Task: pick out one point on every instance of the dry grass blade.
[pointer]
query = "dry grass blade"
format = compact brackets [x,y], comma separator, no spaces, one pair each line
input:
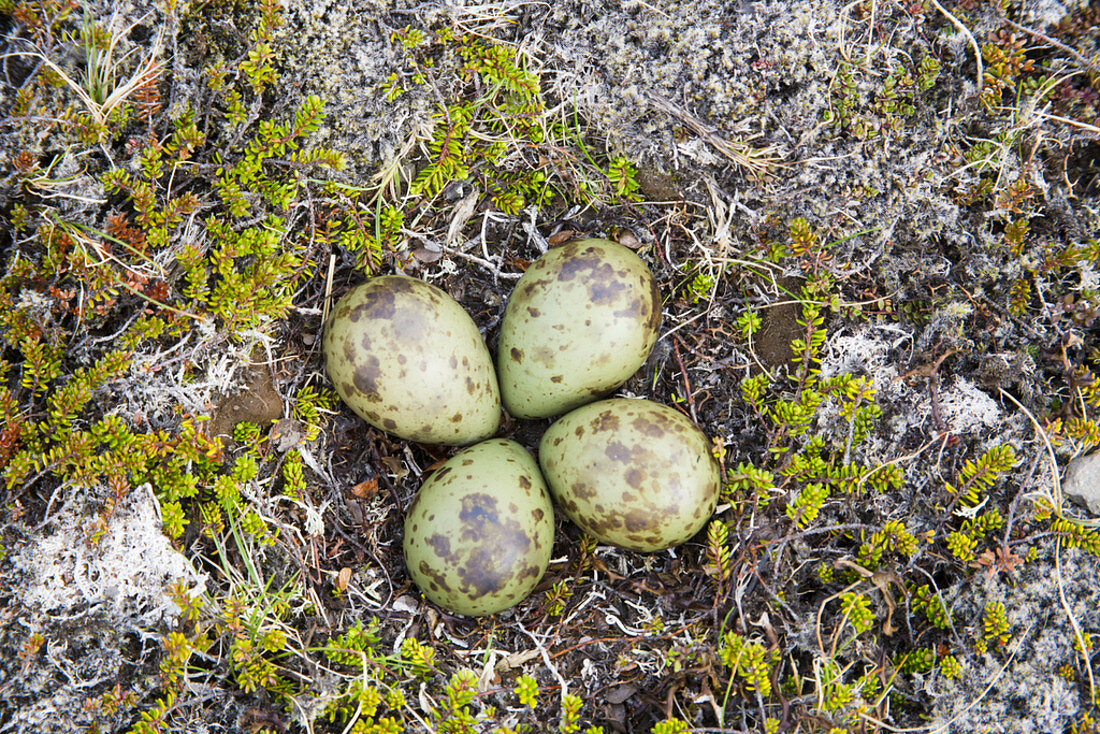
[758,162]
[98,93]
[1056,503]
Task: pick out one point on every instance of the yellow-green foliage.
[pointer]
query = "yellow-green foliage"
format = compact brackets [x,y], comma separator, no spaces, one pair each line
[242,278]
[749,661]
[670,726]
[488,135]
[856,608]
[925,600]
[995,623]
[1076,535]
[897,91]
[950,667]
[893,538]
[969,492]
[719,554]
[242,173]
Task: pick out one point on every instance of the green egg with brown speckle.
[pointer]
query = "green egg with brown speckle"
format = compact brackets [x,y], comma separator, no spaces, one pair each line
[631,473]
[409,360]
[478,535]
[582,319]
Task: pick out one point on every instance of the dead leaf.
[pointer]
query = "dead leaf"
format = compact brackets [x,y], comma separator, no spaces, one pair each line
[463,211]
[561,237]
[427,254]
[489,677]
[343,578]
[396,467]
[515,659]
[407,604]
[365,488]
[882,581]
[626,238]
[765,623]
[425,701]
[619,694]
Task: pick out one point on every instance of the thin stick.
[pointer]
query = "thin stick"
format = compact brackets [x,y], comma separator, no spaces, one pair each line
[683,373]
[328,288]
[1056,480]
[1057,44]
[969,37]
[1073,620]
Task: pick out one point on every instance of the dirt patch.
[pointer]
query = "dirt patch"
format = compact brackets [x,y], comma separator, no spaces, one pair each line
[779,327]
[256,401]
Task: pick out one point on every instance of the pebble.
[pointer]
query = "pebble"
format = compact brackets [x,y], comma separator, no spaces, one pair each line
[1082,482]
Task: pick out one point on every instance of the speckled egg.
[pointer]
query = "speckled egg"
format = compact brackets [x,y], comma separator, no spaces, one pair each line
[631,473]
[479,533]
[580,322]
[410,361]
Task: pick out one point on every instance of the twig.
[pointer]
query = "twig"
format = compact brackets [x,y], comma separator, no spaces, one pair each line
[947,725]
[1056,498]
[1073,620]
[969,37]
[1057,507]
[1088,63]
[683,373]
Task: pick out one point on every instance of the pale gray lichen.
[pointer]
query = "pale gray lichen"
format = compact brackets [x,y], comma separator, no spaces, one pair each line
[97,603]
[1019,688]
[746,69]
[122,574]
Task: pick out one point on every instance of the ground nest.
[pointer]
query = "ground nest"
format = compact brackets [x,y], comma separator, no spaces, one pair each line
[873,228]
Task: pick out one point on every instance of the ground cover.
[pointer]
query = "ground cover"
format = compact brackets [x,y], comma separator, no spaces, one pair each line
[874,228]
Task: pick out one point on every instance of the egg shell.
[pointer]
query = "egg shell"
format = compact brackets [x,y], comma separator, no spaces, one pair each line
[478,535]
[631,473]
[410,361]
[581,320]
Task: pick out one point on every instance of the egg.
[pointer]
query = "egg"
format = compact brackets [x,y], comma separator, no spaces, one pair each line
[581,320]
[478,535]
[410,361]
[631,473]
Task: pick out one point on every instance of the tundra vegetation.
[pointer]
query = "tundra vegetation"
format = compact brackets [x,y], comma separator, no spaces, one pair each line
[197,536]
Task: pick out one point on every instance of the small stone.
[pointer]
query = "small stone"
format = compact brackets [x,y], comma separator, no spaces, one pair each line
[286,434]
[427,254]
[1082,482]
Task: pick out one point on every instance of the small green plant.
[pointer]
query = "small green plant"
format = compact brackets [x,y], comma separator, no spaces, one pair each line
[623,176]
[892,538]
[927,601]
[527,690]
[748,661]
[748,323]
[557,597]
[570,713]
[969,497]
[995,624]
[867,115]
[699,287]
[856,608]
[950,667]
[670,726]
[719,555]
[920,660]
[487,129]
